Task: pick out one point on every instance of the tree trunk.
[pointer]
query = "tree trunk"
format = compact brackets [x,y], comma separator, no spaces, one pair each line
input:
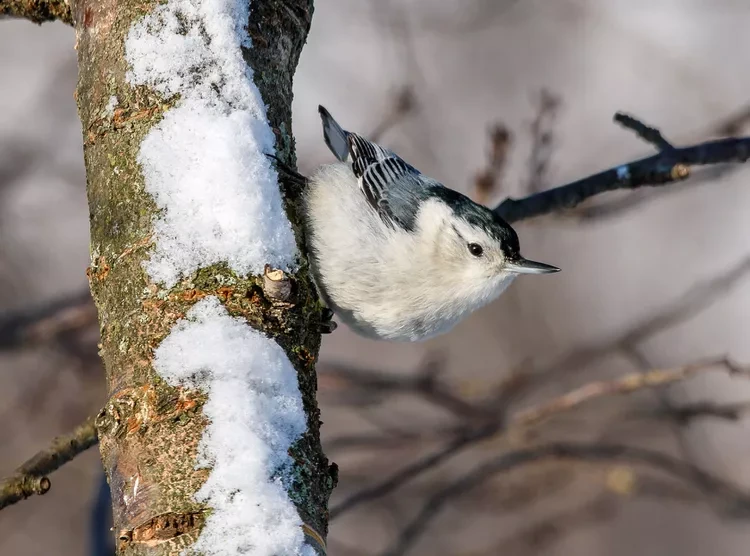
[149,432]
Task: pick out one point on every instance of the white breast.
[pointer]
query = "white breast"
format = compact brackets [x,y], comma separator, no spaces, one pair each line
[379,281]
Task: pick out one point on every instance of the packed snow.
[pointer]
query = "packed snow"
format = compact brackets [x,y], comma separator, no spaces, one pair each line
[204,162]
[255,411]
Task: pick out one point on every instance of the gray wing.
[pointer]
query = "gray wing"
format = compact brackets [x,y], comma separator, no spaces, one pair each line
[391,186]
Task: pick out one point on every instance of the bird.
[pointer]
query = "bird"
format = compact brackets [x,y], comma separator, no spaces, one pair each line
[395,254]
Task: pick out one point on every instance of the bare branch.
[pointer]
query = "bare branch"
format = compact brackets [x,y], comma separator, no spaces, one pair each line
[729,126]
[648,134]
[729,495]
[543,534]
[37,11]
[525,418]
[412,470]
[696,299]
[623,385]
[668,166]
[46,322]
[542,139]
[684,414]
[31,477]
[403,103]
[424,383]
[733,124]
[489,179]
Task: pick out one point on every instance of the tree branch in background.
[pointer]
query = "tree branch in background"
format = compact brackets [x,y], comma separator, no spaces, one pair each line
[696,299]
[730,126]
[489,179]
[540,535]
[542,139]
[668,166]
[31,477]
[648,134]
[37,11]
[685,306]
[729,495]
[425,383]
[624,385]
[528,417]
[684,414]
[49,321]
[402,104]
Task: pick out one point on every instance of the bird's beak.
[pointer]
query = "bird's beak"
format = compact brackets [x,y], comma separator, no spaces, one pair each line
[524,266]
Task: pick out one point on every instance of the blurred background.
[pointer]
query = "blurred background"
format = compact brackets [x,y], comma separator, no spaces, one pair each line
[495,98]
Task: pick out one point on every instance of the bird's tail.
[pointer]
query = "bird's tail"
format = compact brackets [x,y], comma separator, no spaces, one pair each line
[334,134]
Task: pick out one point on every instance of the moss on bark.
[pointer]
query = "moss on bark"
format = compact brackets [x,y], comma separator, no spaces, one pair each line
[149,432]
[38,11]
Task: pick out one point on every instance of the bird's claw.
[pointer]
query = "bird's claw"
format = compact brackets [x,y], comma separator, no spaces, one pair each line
[326,324]
[328,327]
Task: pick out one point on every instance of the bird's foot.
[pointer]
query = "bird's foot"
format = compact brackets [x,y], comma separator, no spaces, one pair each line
[293,174]
[327,325]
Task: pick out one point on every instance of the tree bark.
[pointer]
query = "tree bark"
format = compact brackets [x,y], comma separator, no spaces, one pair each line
[38,11]
[149,432]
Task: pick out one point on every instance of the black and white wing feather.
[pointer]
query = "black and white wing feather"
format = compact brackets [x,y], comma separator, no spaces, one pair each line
[390,185]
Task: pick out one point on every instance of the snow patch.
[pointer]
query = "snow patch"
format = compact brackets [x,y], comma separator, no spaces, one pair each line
[112,103]
[255,411]
[205,162]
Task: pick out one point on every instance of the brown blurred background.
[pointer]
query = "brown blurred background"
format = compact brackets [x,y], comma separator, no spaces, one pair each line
[652,279]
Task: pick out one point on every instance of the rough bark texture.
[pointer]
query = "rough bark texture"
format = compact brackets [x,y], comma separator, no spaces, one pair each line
[37,11]
[148,431]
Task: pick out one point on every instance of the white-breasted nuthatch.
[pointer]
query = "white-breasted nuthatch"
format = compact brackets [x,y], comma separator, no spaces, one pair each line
[396,254]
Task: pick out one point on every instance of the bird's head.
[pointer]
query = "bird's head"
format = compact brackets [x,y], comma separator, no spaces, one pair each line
[471,241]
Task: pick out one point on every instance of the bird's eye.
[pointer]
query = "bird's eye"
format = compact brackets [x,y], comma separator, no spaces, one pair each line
[475,249]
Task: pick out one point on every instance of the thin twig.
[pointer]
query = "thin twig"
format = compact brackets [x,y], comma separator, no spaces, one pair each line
[489,179]
[414,469]
[525,418]
[727,127]
[643,363]
[31,477]
[648,134]
[667,166]
[543,534]
[424,383]
[684,414]
[542,140]
[623,385]
[40,324]
[732,124]
[696,299]
[732,496]
[404,102]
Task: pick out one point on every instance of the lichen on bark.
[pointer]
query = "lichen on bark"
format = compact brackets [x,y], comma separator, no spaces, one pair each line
[149,432]
[38,11]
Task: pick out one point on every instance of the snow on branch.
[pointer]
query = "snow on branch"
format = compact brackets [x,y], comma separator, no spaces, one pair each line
[204,163]
[219,201]
[255,411]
